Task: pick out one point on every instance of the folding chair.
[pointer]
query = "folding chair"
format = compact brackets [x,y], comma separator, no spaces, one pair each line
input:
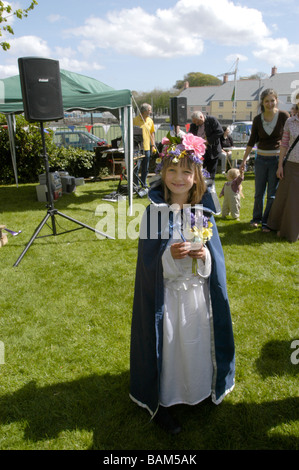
[138,186]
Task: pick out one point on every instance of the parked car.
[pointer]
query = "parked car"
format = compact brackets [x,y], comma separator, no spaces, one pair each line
[79,139]
[240,131]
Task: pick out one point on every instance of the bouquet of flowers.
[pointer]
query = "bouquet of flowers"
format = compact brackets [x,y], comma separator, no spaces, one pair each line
[198,232]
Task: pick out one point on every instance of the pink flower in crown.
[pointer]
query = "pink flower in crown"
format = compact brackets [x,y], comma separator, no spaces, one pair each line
[165,141]
[194,143]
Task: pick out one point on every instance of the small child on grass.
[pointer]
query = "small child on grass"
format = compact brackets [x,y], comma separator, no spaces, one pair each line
[232,193]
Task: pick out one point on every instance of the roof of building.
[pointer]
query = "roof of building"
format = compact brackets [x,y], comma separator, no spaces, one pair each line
[199,95]
[282,82]
[246,90]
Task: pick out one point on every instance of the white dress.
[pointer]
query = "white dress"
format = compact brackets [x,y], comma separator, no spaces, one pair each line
[187,367]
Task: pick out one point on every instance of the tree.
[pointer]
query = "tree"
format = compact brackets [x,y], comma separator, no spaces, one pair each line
[29,149]
[257,76]
[6,12]
[159,100]
[197,79]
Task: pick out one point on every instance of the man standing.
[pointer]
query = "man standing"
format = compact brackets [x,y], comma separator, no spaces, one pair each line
[209,128]
[148,135]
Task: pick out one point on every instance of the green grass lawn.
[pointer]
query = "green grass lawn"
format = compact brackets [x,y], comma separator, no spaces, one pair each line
[65,330]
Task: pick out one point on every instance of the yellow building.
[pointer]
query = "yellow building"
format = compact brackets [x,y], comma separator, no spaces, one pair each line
[239,101]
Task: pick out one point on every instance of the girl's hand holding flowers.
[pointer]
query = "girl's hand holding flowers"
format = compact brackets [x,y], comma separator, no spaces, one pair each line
[180,250]
[198,254]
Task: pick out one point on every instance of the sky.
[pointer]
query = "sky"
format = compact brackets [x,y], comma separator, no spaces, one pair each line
[142,46]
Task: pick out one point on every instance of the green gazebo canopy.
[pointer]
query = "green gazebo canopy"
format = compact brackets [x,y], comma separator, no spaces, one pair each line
[79,92]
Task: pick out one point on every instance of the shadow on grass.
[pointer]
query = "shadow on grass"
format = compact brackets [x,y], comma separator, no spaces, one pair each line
[101,405]
[276,359]
[24,198]
[233,232]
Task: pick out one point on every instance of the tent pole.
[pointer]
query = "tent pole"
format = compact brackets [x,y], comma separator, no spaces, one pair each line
[131,146]
[11,132]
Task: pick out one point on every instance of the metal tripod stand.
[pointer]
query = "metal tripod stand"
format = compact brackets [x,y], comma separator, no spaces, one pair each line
[52,212]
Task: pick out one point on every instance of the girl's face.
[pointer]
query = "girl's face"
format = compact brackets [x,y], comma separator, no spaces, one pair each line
[270,102]
[179,180]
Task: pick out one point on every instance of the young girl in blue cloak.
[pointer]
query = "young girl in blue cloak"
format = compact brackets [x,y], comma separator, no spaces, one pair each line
[182,346]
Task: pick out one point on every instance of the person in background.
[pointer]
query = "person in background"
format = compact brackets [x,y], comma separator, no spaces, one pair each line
[226,141]
[293,110]
[178,132]
[144,121]
[267,129]
[284,214]
[209,128]
[232,192]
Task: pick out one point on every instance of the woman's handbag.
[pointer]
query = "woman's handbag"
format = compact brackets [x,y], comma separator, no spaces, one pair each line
[289,151]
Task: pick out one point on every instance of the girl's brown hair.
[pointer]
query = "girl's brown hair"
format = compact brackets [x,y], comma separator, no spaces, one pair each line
[198,189]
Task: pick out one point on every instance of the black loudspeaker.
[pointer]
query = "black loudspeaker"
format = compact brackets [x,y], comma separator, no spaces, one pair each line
[178,111]
[41,89]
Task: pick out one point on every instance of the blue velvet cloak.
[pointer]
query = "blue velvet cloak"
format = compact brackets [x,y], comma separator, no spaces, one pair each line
[148,307]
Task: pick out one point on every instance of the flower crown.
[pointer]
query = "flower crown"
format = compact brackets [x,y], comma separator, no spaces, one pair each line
[177,148]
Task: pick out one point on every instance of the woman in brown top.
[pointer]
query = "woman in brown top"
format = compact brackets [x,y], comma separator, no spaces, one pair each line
[267,129]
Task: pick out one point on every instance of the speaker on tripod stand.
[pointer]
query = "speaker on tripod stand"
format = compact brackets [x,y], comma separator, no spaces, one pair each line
[42,99]
[41,89]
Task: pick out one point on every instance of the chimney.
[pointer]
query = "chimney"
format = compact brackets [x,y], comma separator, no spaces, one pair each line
[186,85]
[274,70]
[225,78]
